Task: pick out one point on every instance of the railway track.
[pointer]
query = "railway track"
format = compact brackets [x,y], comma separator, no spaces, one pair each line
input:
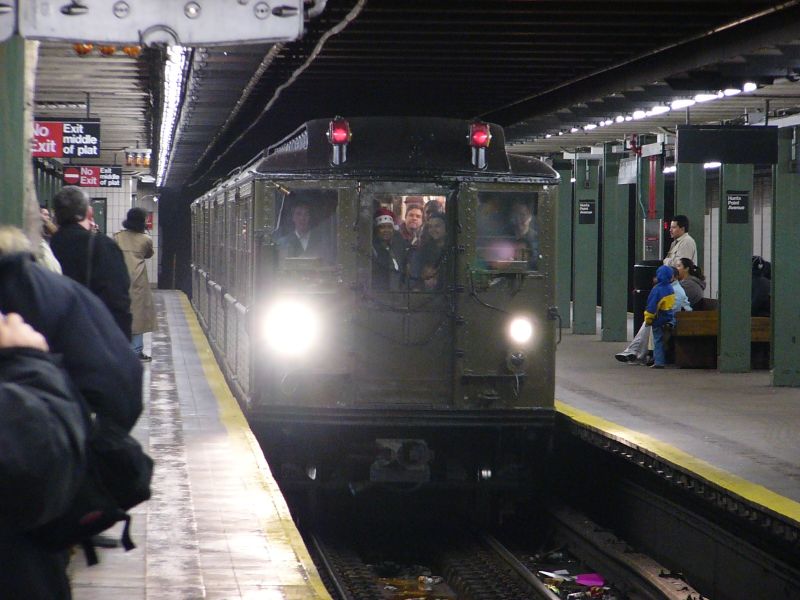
[451,563]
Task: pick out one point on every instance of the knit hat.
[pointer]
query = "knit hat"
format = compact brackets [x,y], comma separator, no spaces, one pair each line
[383,216]
[135,220]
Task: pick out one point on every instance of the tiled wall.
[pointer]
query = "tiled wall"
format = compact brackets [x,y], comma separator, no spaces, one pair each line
[118,202]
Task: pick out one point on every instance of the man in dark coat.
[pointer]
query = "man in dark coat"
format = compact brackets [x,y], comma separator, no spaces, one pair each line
[95,354]
[107,275]
[304,241]
[42,436]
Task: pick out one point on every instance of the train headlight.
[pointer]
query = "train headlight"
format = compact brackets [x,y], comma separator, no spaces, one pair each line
[291,328]
[520,330]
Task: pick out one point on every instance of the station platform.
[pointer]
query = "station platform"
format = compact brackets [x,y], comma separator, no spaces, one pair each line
[733,432]
[216,526]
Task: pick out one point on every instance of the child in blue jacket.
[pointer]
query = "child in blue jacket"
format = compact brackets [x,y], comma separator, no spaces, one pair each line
[660,311]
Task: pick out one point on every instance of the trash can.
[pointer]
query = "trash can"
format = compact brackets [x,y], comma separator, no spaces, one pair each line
[643,274]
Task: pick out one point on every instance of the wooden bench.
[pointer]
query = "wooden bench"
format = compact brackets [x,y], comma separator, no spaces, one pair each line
[695,340]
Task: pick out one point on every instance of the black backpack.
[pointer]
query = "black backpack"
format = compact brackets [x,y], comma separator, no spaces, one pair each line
[117,478]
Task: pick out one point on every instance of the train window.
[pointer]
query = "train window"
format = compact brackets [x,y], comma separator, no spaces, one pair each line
[409,243]
[306,227]
[508,238]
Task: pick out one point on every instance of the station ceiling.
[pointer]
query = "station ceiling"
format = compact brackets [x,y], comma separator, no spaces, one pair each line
[538,67]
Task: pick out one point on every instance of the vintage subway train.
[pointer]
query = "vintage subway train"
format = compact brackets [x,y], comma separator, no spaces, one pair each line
[366,348]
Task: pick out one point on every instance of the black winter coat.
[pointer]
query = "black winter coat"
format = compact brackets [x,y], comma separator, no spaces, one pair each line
[109,275]
[95,354]
[42,435]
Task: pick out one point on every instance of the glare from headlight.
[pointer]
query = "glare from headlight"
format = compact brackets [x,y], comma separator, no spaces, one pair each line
[291,328]
[520,330]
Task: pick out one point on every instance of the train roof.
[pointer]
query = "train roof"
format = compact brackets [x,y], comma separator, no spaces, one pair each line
[400,146]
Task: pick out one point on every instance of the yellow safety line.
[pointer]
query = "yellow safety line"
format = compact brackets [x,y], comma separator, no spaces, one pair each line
[747,490]
[242,437]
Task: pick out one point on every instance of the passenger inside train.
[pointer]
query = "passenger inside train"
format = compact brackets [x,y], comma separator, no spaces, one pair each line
[306,228]
[409,253]
[507,232]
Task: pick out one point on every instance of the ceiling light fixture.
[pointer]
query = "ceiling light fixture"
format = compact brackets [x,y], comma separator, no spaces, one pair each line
[669,169]
[712,165]
[658,110]
[573,130]
[682,103]
[589,126]
[619,118]
[749,87]
[731,91]
[173,85]
[638,114]
[705,97]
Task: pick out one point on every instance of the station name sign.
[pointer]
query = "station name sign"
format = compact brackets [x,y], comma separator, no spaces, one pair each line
[66,139]
[91,176]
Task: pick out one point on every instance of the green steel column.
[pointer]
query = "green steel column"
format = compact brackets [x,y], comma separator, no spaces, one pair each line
[14,137]
[735,250]
[564,240]
[690,200]
[614,269]
[785,266]
[584,307]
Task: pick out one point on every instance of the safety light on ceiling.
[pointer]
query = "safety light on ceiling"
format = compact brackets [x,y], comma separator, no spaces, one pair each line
[480,136]
[137,157]
[339,136]
[108,50]
[749,87]
[132,51]
[82,49]
[683,103]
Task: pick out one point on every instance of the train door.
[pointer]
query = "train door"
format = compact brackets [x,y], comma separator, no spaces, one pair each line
[402,326]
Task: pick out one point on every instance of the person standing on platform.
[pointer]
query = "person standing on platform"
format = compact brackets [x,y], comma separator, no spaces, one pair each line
[683,245]
[42,436]
[91,259]
[137,247]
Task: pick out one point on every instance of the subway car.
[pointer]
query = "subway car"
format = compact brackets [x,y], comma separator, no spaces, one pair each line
[379,293]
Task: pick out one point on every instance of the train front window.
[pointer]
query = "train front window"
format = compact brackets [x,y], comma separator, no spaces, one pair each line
[410,246]
[507,231]
[306,228]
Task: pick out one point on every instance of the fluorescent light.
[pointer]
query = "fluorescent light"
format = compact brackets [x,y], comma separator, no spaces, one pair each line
[548,135]
[560,133]
[731,91]
[712,165]
[658,110]
[628,118]
[573,130]
[705,97]
[590,126]
[173,85]
[619,119]
[608,122]
[749,87]
[639,114]
[572,180]
[669,169]
[682,103]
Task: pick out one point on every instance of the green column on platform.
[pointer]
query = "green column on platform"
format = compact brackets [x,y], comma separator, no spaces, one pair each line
[564,240]
[785,265]
[690,200]
[614,267]
[586,216]
[13,138]
[735,251]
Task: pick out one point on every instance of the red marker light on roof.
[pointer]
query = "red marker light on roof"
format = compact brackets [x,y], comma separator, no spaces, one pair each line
[339,132]
[480,135]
